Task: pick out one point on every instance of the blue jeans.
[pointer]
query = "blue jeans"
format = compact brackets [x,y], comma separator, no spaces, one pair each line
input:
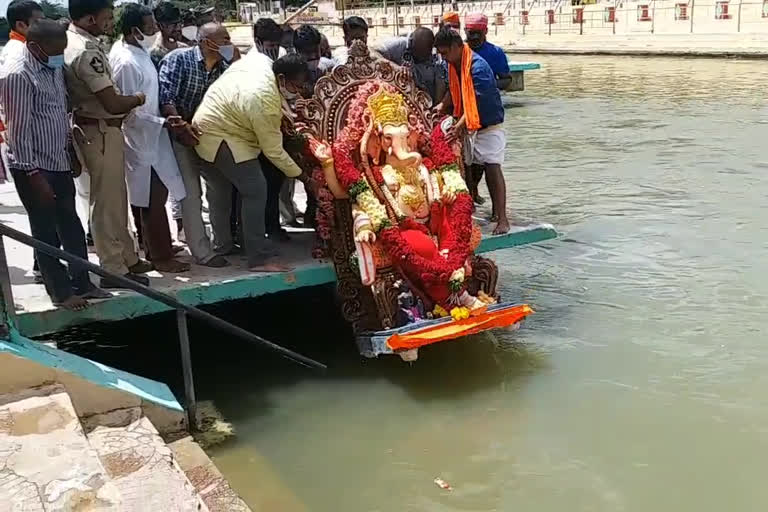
[51,223]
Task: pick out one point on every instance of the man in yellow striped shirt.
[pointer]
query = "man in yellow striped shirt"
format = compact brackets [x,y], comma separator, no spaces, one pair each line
[240,118]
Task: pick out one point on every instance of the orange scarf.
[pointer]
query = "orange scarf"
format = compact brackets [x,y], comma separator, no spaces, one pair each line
[463,92]
[15,36]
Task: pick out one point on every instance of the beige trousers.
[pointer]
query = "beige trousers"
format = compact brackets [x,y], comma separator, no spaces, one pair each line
[102,152]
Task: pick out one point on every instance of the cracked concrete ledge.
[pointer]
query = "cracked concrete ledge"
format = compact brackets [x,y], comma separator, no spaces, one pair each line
[43,425]
[211,485]
[141,465]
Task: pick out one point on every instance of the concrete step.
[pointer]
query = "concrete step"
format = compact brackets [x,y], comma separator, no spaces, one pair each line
[141,465]
[212,487]
[46,462]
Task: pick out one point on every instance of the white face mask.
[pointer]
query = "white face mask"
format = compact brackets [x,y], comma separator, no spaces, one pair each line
[189,32]
[288,95]
[146,41]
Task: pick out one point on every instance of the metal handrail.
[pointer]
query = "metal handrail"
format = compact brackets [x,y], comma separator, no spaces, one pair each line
[182,311]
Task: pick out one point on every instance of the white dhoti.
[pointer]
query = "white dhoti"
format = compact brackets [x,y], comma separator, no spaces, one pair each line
[487,146]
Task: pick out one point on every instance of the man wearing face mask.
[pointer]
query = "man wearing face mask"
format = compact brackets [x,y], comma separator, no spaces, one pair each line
[267,35]
[188,31]
[34,94]
[240,118]
[185,75]
[355,29]
[150,166]
[98,112]
[168,18]
[20,15]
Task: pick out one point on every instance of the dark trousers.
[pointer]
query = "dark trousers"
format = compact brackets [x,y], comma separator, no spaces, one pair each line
[235,223]
[51,223]
[275,179]
[153,222]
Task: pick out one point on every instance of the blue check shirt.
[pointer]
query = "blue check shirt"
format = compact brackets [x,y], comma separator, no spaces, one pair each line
[184,79]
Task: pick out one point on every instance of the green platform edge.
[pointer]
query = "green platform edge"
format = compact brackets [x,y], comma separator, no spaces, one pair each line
[100,374]
[523,66]
[131,305]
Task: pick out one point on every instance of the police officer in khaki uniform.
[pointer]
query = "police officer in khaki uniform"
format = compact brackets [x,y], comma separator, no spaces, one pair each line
[98,111]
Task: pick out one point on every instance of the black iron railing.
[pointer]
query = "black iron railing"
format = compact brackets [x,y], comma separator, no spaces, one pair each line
[182,311]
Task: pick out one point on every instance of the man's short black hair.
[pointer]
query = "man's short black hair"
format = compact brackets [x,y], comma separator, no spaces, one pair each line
[354,22]
[306,37]
[267,29]
[81,8]
[167,13]
[447,36]
[292,66]
[130,16]
[46,30]
[21,10]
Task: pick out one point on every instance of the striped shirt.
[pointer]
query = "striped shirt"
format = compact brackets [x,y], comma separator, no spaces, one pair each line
[184,79]
[37,125]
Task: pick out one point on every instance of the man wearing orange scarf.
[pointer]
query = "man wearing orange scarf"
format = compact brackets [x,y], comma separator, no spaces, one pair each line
[475,101]
[20,15]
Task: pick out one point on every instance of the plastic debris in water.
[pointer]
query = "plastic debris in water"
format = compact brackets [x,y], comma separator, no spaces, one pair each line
[443,484]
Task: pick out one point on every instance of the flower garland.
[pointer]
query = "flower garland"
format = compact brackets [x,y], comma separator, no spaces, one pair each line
[441,161]
[324,216]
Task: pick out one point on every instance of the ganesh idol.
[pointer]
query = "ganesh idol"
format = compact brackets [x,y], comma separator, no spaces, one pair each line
[394,215]
[410,205]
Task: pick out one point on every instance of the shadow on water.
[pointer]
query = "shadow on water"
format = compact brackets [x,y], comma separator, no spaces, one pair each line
[306,321]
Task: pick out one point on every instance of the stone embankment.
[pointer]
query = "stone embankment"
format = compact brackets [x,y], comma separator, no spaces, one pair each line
[53,461]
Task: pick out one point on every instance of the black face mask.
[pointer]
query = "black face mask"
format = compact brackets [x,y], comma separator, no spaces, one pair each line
[474,39]
[272,53]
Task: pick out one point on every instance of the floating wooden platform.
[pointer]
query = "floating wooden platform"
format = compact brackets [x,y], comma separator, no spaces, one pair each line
[36,315]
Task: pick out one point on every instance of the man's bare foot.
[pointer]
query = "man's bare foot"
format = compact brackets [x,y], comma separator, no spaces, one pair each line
[171,266]
[270,267]
[96,293]
[74,303]
[501,227]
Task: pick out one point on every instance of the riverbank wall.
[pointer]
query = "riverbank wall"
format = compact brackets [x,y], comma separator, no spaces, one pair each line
[693,28]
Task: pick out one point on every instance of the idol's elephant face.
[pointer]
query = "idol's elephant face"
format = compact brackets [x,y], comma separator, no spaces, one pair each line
[395,141]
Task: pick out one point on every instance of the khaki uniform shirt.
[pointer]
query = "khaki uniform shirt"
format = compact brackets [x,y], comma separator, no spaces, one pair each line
[87,71]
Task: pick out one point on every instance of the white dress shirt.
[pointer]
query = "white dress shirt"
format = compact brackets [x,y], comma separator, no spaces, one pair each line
[147,144]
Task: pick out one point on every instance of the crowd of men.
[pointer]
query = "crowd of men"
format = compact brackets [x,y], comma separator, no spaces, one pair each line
[171,111]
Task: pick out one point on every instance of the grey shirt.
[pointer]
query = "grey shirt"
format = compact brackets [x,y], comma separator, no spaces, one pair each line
[426,74]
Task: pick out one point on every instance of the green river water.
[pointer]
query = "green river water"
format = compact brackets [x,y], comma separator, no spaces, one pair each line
[637,386]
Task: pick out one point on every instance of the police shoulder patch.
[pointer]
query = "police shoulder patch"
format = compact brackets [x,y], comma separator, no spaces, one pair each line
[97,64]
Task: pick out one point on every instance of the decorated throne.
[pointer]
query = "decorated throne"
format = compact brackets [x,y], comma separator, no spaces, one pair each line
[393,212]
